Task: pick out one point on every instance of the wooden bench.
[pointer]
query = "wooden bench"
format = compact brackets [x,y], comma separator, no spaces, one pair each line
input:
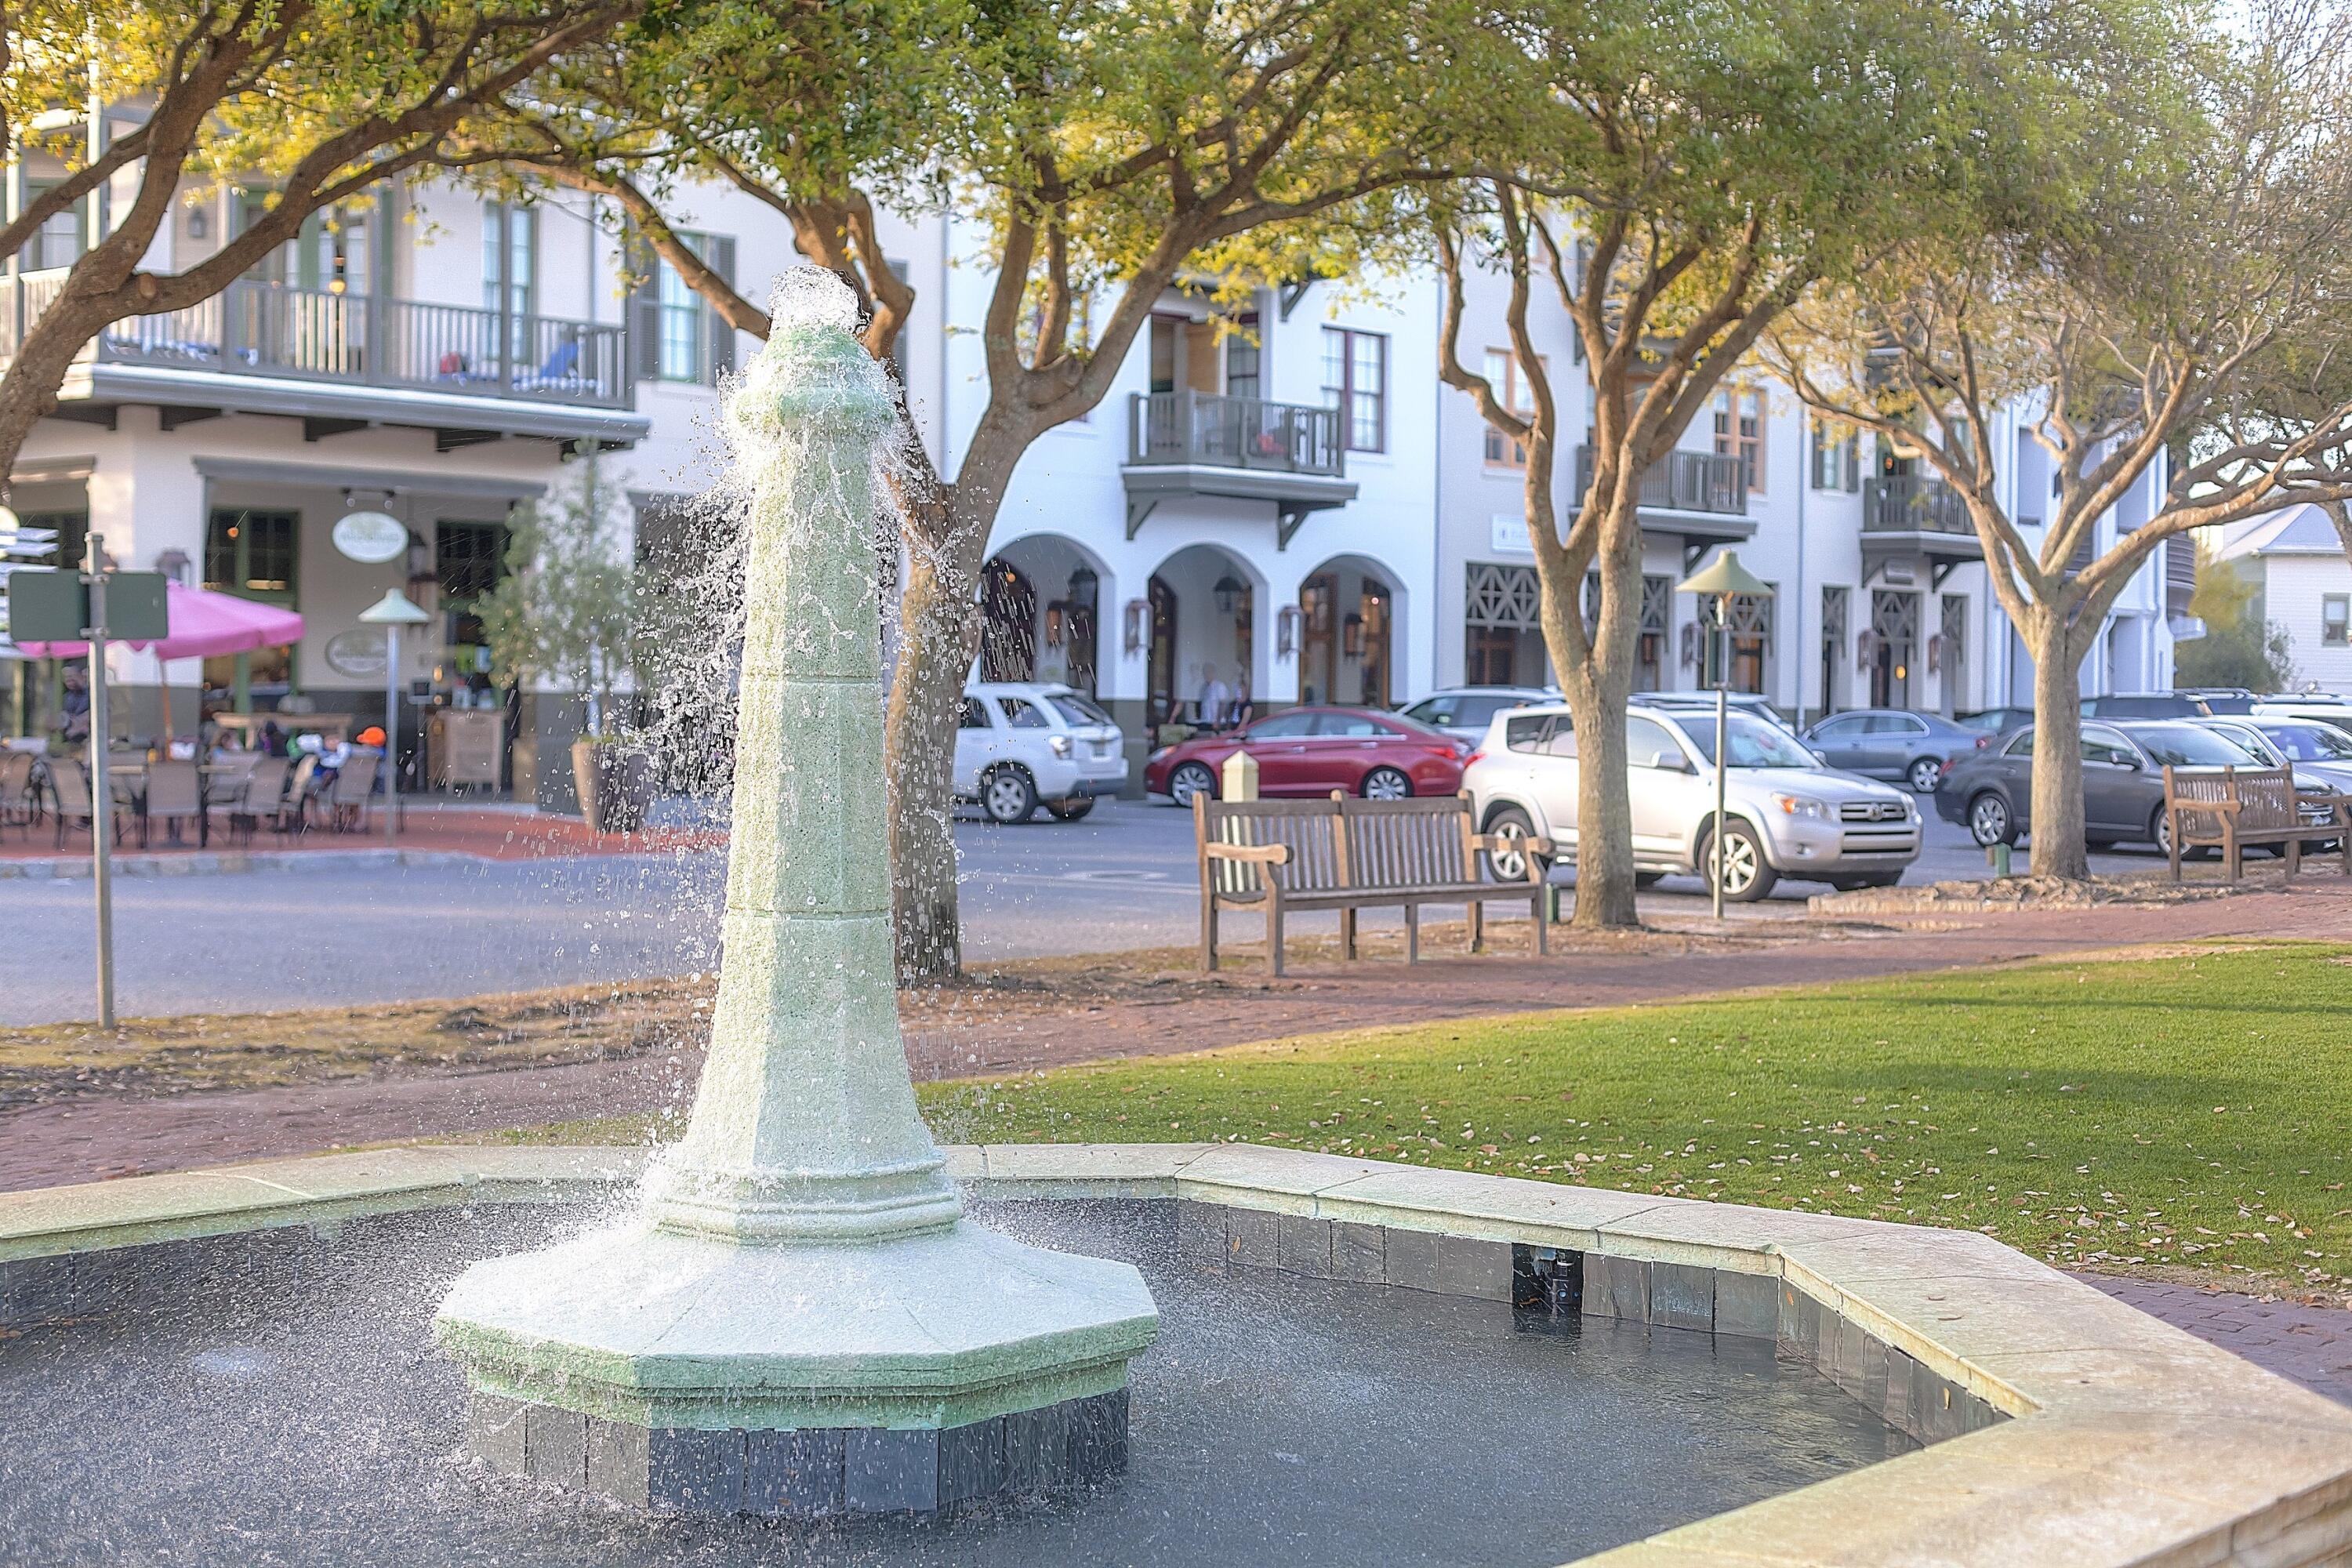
[2234,807]
[1345,854]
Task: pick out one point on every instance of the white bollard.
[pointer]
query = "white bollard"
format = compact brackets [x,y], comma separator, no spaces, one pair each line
[1240,780]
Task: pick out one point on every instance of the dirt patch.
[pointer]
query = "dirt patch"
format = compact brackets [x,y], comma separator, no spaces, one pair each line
[2137,891]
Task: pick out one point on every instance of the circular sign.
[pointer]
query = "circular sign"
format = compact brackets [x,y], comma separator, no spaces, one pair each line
[372,537]
[357,655]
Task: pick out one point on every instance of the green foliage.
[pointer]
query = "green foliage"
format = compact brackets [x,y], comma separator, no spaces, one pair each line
[571,610]
[2190,1109]
[2239,648]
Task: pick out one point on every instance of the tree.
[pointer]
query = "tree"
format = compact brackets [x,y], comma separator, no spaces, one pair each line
[571,610]
[1117,151]
[317,99]
[2239,648]
[2174,314]
[1695,173]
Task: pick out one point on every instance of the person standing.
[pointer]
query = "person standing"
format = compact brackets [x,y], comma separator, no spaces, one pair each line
[1215,697]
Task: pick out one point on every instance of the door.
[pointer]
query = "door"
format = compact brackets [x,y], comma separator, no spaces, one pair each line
[1279,744]
[976,746]
[2115,783]
[1161,669]
[1550,772]
[1343,749]
[1887,742]
[1668,802]
[1318,662]
[1841,740]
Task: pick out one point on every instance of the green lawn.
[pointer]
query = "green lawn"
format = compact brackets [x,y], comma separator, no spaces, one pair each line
[2187,1111]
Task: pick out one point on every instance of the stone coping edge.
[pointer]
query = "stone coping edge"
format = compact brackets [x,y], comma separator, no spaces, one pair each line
[2138,1443]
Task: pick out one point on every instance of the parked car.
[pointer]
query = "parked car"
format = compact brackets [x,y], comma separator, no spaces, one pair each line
[2147,705]
[1991,793]
[1314,751]
[1891,744]
[1746,702]
[1992,723]
[1463,712]
[2221,699]
[2320,755]
[1790,816]
[2313,706]
[1021,746]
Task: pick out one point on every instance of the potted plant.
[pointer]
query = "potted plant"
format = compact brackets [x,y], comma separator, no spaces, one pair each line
[569,615]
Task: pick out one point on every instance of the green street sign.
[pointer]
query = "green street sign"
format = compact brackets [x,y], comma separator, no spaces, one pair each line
[54,606]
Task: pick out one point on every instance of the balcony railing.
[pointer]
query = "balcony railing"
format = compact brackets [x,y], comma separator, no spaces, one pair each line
[1913,503]
[1234,433]
[1683,481]
[266,329]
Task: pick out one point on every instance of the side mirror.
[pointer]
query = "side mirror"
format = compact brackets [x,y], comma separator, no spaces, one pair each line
[1670,761]
[1819,755]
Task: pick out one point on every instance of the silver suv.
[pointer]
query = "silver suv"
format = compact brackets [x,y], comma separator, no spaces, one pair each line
[1790,815]
[1021,746]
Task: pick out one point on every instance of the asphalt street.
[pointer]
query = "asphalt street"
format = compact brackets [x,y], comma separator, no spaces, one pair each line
[1121,878]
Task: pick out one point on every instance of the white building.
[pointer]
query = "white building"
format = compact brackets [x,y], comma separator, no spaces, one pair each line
[2303,582]
[1289,502]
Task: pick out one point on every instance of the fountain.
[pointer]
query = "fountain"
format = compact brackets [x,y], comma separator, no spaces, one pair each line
[799,1319]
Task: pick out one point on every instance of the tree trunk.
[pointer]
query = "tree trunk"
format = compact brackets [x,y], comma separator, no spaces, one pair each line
[28,390]
[2055,817]
[1597,694]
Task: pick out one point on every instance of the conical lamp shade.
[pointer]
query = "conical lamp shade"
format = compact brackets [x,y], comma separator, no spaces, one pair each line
[1724,575]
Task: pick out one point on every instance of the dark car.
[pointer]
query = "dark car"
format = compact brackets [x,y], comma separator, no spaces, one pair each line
[2147,705]
[1891,744]
[1992,723]
[1314,751]
[1991,793]
[2220,700]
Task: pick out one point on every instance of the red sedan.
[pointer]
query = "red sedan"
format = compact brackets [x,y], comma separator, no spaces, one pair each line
[1314,751]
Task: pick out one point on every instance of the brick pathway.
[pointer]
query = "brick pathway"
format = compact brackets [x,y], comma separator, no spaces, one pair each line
[2309,1345]
[427,828]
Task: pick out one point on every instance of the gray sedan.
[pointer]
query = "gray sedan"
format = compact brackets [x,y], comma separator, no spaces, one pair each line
[1891,743]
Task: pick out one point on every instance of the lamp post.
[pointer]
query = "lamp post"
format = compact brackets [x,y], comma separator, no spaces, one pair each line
[1722,577]
[392,612]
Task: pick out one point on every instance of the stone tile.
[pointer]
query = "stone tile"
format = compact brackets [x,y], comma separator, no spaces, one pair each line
[1682,1297]
[1099,1435]
[1302,1244]
[973,1462]
[1359,1253]
[1411,1258]
[1940,1401]
[1629,1287]
[618,1461]
[1467,1266]
[1746,1305]
[1254,1237]
[1286,1178]
[1085,1170]
[796,1473]
[886,1471]
[1800,1327]
[1201,1232]
[1721,1235]
[1037,1448]
[694,1471]
[555,1446]
[1902,1372]
[494,1432]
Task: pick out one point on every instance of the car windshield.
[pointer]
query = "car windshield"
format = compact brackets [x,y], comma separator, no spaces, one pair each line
[2187,746]
[2311,743]
[1077,709]
[1754,743]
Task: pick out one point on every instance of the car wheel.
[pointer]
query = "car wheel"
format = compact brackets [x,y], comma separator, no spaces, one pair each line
[1509,864]
[1070,810]
[1007,795]
[1188,780]
[1989,822]
[1923,774]
[1746,875]
[1387,784]
[2159,830]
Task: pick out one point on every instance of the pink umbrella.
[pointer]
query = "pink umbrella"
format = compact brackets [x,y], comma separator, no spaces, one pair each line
[203,625]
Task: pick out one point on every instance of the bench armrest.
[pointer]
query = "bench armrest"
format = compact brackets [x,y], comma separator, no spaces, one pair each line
[1494,843]
[2218,807]
[1268,854]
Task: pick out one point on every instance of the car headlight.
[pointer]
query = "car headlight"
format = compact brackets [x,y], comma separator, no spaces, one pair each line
[1059,744]
[1160,756]
[1800,806]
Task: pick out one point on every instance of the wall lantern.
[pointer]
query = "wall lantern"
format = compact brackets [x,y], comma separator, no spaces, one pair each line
[1228,592]
[1138,624]
[1057,623]
[1351,636]
[173,563]
[1285,632]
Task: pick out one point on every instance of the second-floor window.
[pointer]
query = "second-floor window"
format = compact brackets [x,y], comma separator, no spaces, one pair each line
[1511,387]
[2336,620]
[59,241]
[1739,431]
[1837,456]
[681,337]
[509,260]
[1242,360]
[1355,382]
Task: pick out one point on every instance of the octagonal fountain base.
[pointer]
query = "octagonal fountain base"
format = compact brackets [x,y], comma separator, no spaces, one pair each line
[685,1370]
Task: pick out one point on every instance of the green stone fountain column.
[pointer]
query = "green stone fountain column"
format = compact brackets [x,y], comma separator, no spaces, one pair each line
[798,1319]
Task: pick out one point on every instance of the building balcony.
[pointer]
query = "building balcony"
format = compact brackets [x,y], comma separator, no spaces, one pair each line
[345,362]
[1289,455]
[1907,517]
[1698,497]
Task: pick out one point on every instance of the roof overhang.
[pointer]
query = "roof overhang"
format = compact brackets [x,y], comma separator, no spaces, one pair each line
[99,383]
[1292,496]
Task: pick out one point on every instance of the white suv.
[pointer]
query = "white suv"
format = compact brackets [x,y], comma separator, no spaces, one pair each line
[1790,815]
[1021,746]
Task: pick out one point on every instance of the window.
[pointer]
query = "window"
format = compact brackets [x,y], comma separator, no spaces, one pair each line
[1836,456]
[1355,382]
[1077,711]
[679,337]
[511,261]
[1283,727]
[1243,358]
[59,241]
[1023,714]
[2336,620]
[469,558]
[2022,746]
[251,554]
[975,715]
[1841,729]
[2187,746]
[1352,726]
[1512,391]
[1646,739]
[1525,735]
[1739,431]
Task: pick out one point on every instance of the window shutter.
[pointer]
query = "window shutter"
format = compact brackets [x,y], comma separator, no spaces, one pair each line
[1854,462]
[719,252]
[645,307]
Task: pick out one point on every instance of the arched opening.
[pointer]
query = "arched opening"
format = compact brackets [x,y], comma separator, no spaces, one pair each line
[1202,665]
[1347,634]
[1040,600]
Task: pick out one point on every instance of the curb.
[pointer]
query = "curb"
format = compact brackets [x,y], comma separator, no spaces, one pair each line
[209,862]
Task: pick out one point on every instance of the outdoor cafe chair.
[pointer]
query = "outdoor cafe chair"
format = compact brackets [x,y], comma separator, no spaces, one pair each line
[255,796]
[175,794]
[19,803]
[347,797]
[69,788]
[290,813]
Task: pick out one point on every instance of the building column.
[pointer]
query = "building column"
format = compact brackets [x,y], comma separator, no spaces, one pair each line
[148,501]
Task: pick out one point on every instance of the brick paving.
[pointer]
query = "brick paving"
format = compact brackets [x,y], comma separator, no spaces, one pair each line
[489,832]
[2311,1345]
